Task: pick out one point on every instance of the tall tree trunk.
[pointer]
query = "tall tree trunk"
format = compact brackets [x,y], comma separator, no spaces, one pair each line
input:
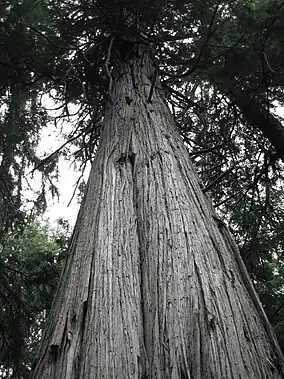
[154,286]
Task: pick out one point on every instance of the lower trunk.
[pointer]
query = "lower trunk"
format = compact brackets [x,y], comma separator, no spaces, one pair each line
[154,286]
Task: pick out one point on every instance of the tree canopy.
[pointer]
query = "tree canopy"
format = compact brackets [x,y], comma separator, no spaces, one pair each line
[221,67]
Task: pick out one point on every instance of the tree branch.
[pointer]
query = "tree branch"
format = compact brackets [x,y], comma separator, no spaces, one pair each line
[217,180]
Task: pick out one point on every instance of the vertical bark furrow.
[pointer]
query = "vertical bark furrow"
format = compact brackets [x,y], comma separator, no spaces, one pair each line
[166,295]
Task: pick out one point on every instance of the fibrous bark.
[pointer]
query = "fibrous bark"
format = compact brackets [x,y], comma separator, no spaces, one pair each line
[154,286]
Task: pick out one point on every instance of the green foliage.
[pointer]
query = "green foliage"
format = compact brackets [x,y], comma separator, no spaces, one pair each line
[30,265]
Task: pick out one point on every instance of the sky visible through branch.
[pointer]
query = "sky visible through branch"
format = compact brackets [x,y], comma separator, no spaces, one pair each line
[65,206]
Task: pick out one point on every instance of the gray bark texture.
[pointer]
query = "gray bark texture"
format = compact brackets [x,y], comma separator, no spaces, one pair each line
[154,286]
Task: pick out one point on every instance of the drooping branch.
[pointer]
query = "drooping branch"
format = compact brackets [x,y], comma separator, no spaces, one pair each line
[268,124]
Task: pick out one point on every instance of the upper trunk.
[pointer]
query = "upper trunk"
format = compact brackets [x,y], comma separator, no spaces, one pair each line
[154,286]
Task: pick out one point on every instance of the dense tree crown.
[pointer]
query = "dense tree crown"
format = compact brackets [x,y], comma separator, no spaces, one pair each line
[220,65]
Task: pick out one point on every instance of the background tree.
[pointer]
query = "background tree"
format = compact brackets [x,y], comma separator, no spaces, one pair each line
[30,264]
